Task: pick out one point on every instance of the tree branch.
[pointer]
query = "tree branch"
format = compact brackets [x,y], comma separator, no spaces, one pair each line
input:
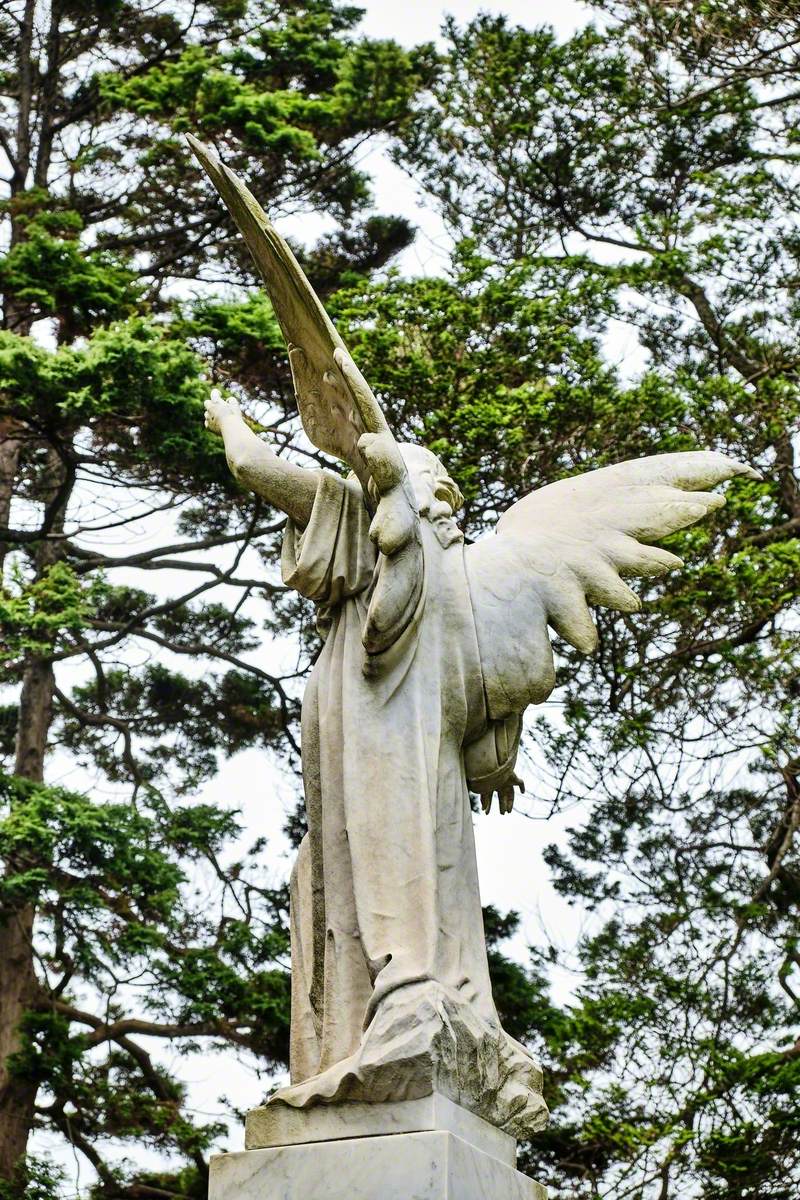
[105,1032]
[91,559]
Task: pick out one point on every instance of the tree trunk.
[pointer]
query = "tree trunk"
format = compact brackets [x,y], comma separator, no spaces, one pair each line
[15,315]
[22,158]
[10,446]
[18,982]
[19,986]
[47,96]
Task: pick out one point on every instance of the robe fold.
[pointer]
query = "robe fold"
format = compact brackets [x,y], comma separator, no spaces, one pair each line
[385,891]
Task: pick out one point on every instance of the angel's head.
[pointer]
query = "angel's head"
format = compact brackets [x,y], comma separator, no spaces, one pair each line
[437,494]
[434,488]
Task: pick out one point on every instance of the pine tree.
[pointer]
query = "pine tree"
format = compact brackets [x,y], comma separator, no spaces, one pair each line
[644,171]
[122,914]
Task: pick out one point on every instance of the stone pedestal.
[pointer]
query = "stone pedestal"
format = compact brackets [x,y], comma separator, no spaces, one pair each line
[428,1149]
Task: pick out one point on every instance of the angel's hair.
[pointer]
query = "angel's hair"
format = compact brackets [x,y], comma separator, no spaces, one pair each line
[419,458]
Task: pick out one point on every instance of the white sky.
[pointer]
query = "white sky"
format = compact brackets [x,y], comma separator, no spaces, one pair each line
[414,21]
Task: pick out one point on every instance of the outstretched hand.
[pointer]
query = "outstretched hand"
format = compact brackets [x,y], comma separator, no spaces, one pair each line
[505,795]
[217,408]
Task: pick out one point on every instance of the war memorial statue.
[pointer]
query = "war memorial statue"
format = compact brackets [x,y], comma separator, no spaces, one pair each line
[433,650]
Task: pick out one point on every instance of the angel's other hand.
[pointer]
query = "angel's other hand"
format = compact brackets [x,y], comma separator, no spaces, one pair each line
[505,796]
[385,462]
[217,408]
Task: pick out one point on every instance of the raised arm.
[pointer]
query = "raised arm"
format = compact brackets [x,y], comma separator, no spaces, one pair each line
[253,464]
[395,531]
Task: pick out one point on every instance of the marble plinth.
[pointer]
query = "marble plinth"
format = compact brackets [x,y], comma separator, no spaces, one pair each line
[432,1165]
[279,1124]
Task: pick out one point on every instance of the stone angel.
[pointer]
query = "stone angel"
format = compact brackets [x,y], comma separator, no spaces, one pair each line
[433,650]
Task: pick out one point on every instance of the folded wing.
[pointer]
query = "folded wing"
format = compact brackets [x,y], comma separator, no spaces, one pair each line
[570,545]
[335,402]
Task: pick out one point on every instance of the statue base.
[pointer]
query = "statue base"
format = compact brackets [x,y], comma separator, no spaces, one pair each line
[427,1149]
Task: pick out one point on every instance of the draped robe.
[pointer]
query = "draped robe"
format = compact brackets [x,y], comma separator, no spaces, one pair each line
[388,948]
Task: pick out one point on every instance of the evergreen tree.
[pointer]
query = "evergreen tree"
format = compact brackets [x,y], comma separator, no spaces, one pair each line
[640,172]
[645,172]
[125,918]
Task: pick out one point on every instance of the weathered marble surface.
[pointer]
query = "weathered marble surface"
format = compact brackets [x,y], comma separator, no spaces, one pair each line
[433,651]
[280,1125]
[406,1166]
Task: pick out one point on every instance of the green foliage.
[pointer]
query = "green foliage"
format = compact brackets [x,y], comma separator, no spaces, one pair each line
[639,176]
[33,615]
[38,1179]
[135,389]
[520,351]
[48,274]
[144,923]
[642,172]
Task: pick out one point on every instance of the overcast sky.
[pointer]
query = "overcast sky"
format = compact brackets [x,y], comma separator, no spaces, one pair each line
[412,21]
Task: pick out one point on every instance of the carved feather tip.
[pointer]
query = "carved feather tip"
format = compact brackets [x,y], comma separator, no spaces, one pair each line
[741,468]
[201,150]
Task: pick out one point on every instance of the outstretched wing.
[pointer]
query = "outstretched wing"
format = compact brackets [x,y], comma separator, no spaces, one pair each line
[569,545]
[335,402]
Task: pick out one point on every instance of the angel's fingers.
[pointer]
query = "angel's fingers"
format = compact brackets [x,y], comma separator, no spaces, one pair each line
[379,448]
[381,473]
[486,801]
[366,442]
[350,371]
[506,799]
[302,373]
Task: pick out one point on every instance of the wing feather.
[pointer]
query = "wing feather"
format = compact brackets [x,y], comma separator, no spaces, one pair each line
[335,402]
[568,613]
[579,536]
[632,558]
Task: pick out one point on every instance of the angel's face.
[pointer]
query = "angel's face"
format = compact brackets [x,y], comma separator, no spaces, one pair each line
[436,493]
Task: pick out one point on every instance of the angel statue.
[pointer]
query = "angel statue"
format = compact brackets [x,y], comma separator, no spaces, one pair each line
[433,649]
